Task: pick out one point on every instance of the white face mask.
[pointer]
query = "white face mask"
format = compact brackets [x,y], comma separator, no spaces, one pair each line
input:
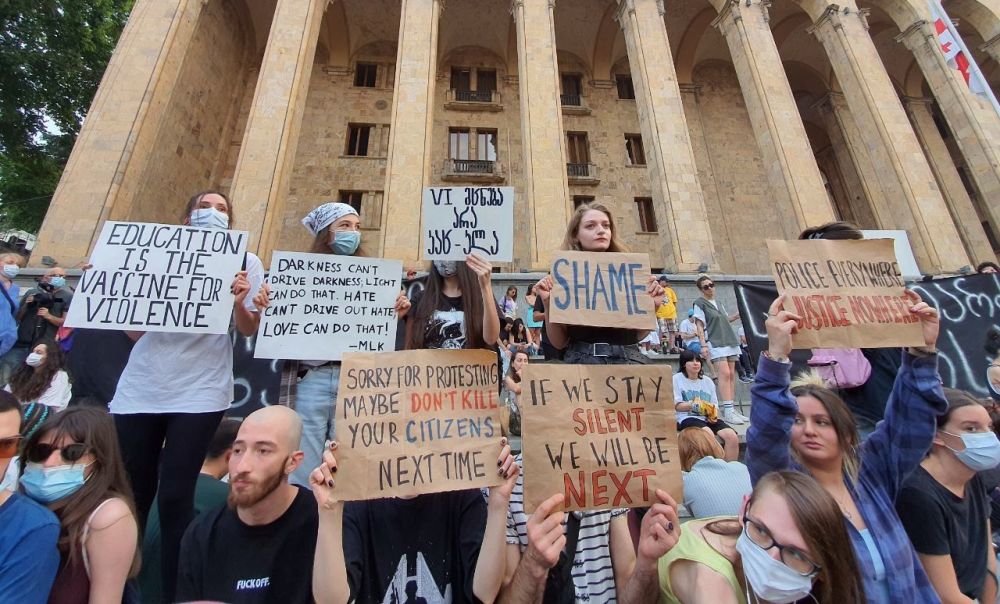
[209,218]
[34,359]
[11,270]
[770,579]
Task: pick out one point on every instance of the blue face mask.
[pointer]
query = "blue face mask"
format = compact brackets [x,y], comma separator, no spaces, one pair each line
[345,243]
[982,450]
[209,218]
[57,282]
[46,485]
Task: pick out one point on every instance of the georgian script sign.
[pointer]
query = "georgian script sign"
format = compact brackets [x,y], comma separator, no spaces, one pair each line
[414,422]
[602,289]
[458,221]
[323,306]
[602,435]
[848,293]
[159,277]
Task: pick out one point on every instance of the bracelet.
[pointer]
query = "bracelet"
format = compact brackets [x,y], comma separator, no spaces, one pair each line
[921,351]
[781,359]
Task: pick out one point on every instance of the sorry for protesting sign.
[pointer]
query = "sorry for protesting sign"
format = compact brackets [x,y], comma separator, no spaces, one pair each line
[419,421]
[601,289]
[849,294]
[458,221]
[323,306]
[602,435]
[159,277]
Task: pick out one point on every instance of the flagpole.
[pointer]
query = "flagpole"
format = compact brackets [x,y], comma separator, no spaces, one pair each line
[973,64]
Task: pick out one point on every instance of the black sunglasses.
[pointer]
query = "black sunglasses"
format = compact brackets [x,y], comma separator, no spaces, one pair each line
[708,286]
[71,453]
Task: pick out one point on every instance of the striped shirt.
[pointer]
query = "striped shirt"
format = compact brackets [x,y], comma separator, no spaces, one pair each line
[593,572]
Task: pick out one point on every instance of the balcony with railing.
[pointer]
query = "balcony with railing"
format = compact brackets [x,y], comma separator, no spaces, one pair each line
[582,174]
[473,100]
[573,104]
[472,170]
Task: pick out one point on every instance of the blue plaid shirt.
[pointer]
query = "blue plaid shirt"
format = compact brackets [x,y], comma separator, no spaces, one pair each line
[896,448]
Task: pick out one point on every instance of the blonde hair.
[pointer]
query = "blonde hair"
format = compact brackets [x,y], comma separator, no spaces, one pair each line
[571,242]
[21,260]
[693,444]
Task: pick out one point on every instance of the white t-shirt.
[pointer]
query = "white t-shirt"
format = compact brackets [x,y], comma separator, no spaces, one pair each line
[693,391]
[688,327]
[182,372]
[57,395]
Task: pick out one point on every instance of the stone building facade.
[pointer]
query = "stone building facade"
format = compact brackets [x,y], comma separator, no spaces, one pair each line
[707,126]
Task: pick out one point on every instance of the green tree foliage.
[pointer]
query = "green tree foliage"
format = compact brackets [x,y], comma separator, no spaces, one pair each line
[52,56]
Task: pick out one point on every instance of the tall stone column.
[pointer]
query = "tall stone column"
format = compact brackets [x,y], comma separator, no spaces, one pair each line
[408,166]
[963,211]
[129,101]
[264,166]
[788,157]
[677,193]
[542,136]
[915,202]
[973,121]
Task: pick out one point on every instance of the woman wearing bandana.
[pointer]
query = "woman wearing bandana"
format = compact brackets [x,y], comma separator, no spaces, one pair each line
[173,394]
[310,387]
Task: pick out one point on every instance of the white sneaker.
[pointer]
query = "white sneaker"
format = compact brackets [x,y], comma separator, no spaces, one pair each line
[731,417]
[746,420]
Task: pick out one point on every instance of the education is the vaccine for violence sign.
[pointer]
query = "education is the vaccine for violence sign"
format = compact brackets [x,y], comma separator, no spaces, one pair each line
[458,221]
[323,306]
[601,289]
[604,436]
[414,422]
[850,294]
[159,277]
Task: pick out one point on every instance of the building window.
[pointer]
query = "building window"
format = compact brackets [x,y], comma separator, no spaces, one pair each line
[486,80]
[577,149]
[626,90]
[461,79]
[353,199]
[579,200]
[633,146]
[458,143]
[486,145]
[365,74]
[358,136]
[572,89]
[647,217]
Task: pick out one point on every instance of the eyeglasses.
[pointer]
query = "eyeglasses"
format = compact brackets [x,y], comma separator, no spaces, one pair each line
[71,453]
[792,557]
[707,286]
[8,446]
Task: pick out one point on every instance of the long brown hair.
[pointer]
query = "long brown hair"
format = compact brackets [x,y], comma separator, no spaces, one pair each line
[570,241]
[94,428]
[197,198]
[819,519]
[693,444]
[29,383]
[840,417]
[472,308]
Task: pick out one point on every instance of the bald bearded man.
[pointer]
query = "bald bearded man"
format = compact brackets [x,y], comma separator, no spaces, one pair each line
[260,546]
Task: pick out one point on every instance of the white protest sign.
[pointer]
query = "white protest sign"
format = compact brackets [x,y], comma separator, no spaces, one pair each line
[458,221]
[323,306]
[159,277]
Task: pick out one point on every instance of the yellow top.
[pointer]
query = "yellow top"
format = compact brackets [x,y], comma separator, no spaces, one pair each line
[691,546]
[668,310]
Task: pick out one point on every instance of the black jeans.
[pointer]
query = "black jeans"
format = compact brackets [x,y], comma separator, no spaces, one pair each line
[166,450]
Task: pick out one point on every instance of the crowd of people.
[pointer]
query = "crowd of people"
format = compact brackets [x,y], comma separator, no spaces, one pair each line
[134,488]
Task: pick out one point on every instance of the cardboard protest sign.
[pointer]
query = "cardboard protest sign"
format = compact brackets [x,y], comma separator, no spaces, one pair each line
[159,277]
[848,293]
[603,435]
[323,306]
[602,289]
[458,221]
[419,421]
